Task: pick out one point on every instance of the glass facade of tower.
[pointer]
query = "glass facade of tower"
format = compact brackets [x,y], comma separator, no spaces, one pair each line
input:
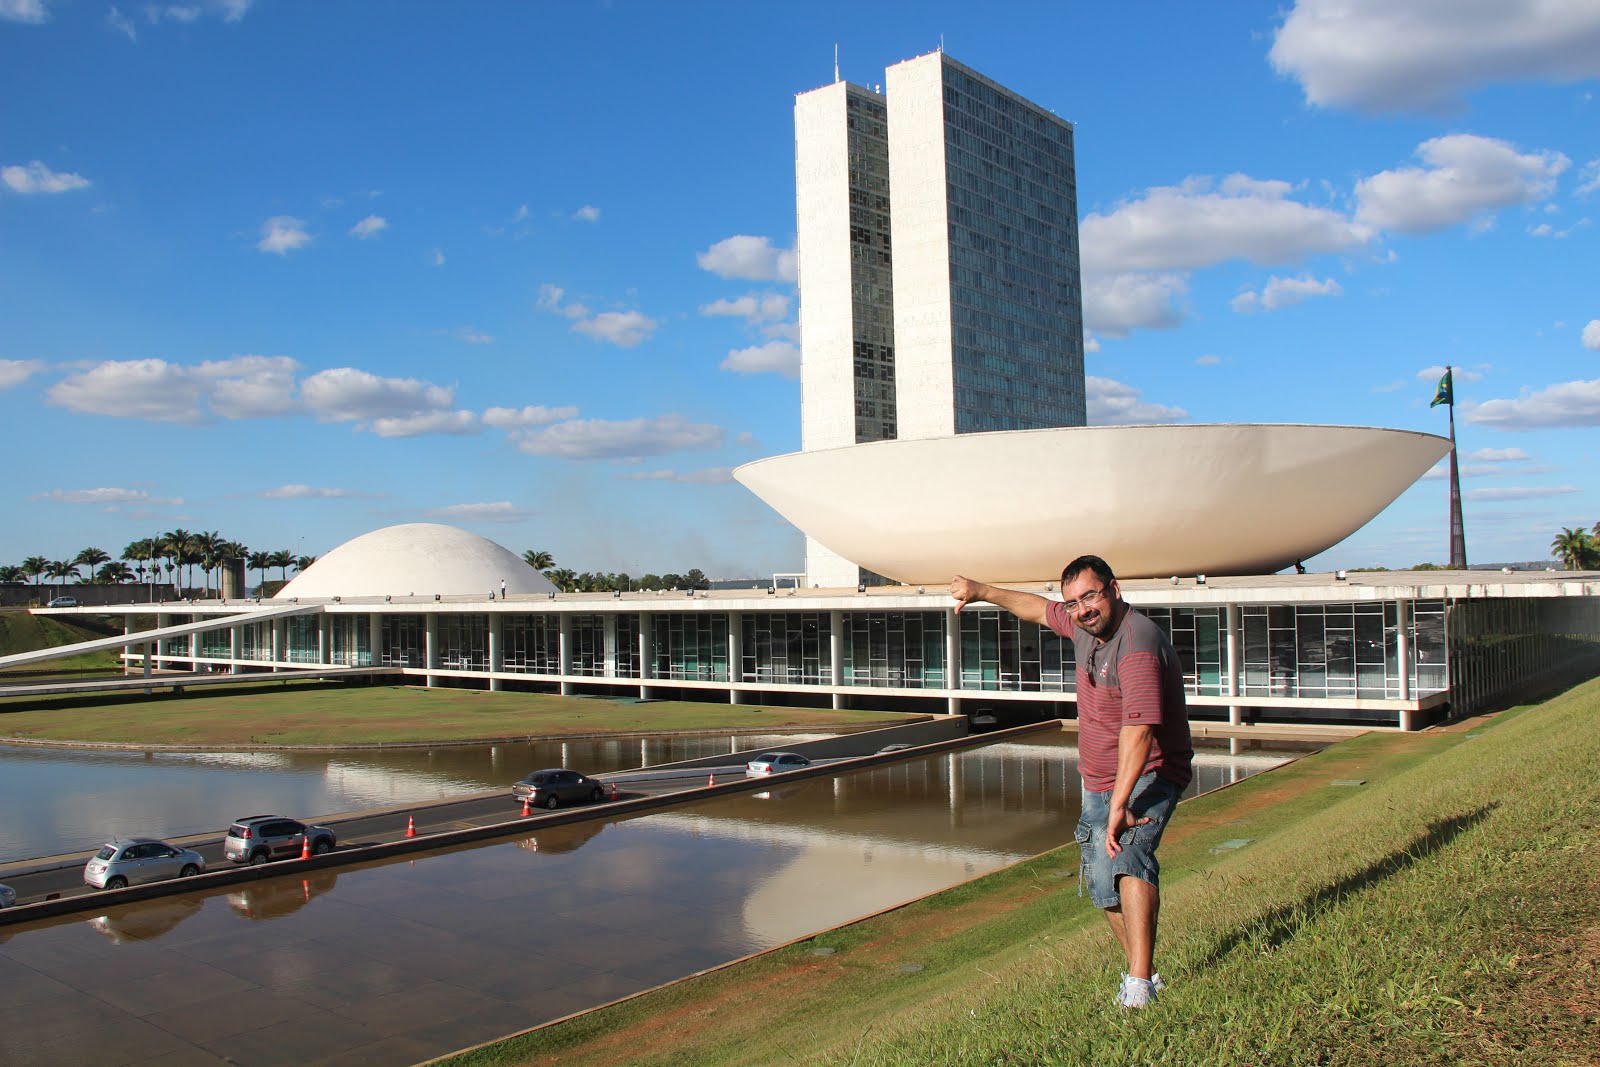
[1015,291]
[871,285]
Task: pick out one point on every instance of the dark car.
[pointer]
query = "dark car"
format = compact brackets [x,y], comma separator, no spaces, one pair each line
[257,839]
[555,786]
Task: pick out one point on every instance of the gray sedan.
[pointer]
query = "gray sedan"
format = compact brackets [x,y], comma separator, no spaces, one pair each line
[119,864]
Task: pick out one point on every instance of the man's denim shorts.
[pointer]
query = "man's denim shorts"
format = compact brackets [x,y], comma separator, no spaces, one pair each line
[1153,797]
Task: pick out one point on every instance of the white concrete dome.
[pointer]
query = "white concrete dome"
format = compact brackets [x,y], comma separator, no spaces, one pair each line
[1152,500]
[417,558]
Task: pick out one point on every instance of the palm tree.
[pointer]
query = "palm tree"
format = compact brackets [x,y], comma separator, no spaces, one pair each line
[34,566]
[61,570]
[259,562]
[113,572]
[1575,548]
[208,553]
[302,562]
[172,545]
[141,552]
[11,573]
[564,580]
[281,560]
[91,558]
[539,559]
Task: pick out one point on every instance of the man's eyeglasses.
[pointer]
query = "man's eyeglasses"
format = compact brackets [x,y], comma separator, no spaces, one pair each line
[1087,600]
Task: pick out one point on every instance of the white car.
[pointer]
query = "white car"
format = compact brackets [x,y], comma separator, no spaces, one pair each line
[775,763]
[8,896]
[119,864]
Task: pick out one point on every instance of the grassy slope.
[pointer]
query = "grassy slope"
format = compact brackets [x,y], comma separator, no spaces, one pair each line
[1448,911]
[24,632]
[320,714]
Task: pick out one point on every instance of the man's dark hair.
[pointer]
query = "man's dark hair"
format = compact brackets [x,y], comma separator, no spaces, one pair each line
[1093,564]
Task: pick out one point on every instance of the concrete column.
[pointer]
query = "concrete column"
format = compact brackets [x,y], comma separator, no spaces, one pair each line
[611,644]
[564,653]
[497,649]
[836,656]
[324,644]
[646,653]
[127,650]
[735,657]
[375,638]
[277,641]
[430,646]
[1402,647]
[952,659]
[234,640]
[1233,619]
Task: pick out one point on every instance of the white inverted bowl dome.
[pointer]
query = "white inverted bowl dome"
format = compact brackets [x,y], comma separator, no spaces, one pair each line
[417,558]
[1152,500]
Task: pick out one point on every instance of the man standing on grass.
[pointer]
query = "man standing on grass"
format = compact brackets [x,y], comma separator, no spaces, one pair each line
[1134,752]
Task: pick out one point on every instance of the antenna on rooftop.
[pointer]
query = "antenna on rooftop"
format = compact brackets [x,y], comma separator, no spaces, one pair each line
[941,42]
[836,61]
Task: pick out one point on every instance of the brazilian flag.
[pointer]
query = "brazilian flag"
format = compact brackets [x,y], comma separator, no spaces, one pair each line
[1446,393]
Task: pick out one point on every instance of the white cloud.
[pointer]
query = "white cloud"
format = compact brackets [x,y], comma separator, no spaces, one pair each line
[1563,404]
[1591,335]
[1497,455]
[1281,292]
[1118,303]
[774,357]
[1208,361]
[105,496]
[137,388]
[30,11]
[587,213]
[345,394]
[1589,178]
[226,10]
[1390,387]
[1113,403]
[121,23]
[1377,55]
[498,511]
[436,258]
[38,178]
[521,214]
[754,308]
[1457,374]
[1465,177]
[532,415]
[625,439]
[554,298]
[282,234]
[249,387]
[1519,492]
[296,491]
[1203,222]
[238,388]
[1091,343]
[369,227]
[472,336]
[456,423]
[14,372]
[621,328]
[706,476]
[751,258]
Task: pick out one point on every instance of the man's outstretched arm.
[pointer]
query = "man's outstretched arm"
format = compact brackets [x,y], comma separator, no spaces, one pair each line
[1030,607]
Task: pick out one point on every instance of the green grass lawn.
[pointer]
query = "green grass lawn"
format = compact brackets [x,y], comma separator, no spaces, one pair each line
[1446,911]
[331,714]
[21,631]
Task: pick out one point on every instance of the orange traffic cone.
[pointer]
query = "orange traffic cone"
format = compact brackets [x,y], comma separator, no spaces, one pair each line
[613,790]
[712,780]
[305,847]
[411,826]
[527,808]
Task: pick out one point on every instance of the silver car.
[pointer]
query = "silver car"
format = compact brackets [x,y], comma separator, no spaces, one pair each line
[120,864]
[775,763]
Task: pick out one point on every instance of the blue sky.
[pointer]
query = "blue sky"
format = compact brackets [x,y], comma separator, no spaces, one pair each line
[295,271]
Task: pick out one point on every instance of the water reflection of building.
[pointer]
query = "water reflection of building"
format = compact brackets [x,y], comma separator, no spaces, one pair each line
[1387,648]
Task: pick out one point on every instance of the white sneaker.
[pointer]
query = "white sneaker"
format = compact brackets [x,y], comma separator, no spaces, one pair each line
[1136,992]
[1158,983]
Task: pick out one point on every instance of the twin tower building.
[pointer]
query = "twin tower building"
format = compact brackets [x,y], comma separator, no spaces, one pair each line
[938,266]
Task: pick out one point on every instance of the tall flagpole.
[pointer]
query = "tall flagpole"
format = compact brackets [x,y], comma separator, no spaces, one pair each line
[1458,534]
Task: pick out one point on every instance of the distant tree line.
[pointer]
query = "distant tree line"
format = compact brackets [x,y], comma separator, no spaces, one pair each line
[570,581]
[170,557]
